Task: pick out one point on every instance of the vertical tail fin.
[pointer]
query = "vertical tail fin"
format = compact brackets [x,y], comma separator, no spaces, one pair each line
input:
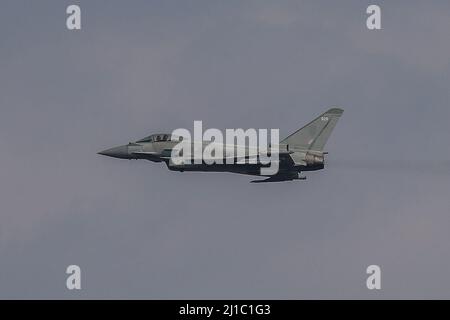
[315,134]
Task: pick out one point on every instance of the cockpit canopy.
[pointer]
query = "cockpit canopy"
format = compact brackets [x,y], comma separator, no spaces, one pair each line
[158,137]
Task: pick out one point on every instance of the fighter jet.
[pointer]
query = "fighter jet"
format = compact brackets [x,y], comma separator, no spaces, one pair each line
[300,151]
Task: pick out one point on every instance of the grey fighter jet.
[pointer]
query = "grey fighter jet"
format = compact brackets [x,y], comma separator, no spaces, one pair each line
[300,151]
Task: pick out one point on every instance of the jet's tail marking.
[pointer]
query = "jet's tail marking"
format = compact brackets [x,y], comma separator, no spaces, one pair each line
[315,134]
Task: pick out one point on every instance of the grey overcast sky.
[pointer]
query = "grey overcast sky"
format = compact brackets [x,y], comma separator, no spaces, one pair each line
[138,230]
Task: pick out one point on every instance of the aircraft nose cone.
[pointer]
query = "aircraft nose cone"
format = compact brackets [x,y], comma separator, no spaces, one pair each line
[116,152]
